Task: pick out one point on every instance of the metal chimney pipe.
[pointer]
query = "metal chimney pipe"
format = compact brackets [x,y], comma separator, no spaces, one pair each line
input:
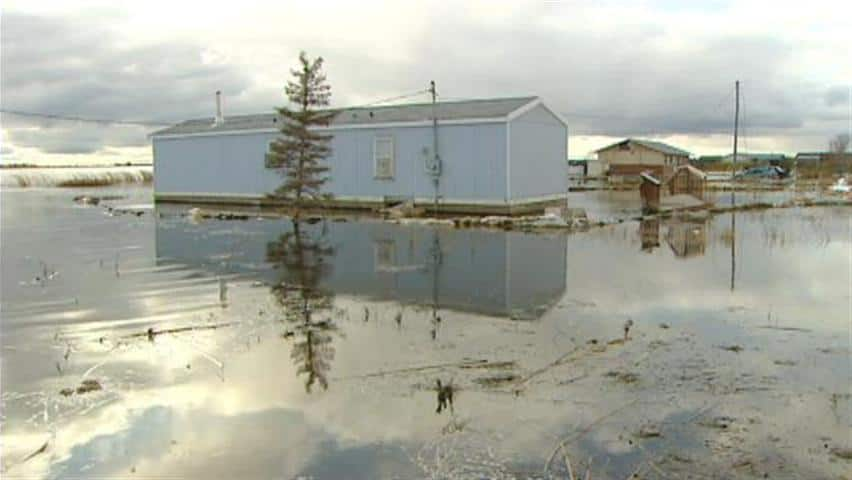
[219,118]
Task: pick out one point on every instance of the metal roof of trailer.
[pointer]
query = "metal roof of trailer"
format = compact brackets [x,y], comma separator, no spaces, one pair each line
[364,116]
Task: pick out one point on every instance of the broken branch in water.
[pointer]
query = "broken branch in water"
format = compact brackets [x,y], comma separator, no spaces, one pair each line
[567,358]
[464,364]
[151,333]
[559,361]
[562,360]
[785,329]
[567,463]
[37,452]
[562,444]
[587,476]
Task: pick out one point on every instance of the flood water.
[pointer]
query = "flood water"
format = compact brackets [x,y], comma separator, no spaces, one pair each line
[261,348]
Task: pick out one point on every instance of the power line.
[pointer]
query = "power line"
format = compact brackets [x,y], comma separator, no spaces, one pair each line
[724,100]
[392,99]
[563,113]
[102,121]
[145,123]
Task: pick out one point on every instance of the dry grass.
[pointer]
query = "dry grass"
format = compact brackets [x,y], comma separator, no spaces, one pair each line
[85,179]
[86,182]
[105,181]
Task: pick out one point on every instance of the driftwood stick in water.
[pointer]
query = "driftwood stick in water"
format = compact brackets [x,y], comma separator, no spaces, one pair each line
[559,361]
[562,444]
[464,364]
[37,452]
[152,333]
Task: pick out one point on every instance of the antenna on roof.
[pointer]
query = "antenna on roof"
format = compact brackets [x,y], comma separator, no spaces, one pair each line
[220,119]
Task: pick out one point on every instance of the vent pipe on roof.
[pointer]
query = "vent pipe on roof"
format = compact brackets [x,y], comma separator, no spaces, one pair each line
[219,118]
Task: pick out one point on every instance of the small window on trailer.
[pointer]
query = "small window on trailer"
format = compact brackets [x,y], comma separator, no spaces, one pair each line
[383,158]
[384,254]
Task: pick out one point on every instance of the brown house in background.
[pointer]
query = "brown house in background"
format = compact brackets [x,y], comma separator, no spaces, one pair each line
[628,158]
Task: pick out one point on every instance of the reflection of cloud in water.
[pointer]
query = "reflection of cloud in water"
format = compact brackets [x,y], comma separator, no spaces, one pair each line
[796,282]
[239,424]
[257,420]
[163,441]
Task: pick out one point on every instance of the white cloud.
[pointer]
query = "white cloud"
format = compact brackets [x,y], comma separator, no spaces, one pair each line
[653,68]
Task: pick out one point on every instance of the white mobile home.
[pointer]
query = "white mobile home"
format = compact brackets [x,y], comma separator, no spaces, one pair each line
[502,155]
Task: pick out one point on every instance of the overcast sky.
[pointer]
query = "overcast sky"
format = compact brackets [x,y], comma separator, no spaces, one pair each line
[663,69]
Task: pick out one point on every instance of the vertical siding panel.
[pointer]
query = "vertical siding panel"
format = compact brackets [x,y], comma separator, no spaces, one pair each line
[539,152]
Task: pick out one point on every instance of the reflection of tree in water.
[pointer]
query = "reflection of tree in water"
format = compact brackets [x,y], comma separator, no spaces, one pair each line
[303,257]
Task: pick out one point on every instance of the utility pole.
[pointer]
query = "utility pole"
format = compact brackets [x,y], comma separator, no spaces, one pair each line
[733,186]
[736,126]
[436,159]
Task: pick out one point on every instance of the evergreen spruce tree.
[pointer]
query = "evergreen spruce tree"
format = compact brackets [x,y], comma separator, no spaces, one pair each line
[299,152]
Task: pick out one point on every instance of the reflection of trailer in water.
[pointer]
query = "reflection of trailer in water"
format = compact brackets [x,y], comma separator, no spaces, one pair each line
[493,273]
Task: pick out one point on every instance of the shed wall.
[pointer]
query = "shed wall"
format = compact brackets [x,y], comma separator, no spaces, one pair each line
[538,163]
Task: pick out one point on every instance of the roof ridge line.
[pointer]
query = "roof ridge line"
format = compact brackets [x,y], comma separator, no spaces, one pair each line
[371,107]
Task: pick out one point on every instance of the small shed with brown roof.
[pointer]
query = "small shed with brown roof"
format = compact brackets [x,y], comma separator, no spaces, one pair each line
[689,180]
